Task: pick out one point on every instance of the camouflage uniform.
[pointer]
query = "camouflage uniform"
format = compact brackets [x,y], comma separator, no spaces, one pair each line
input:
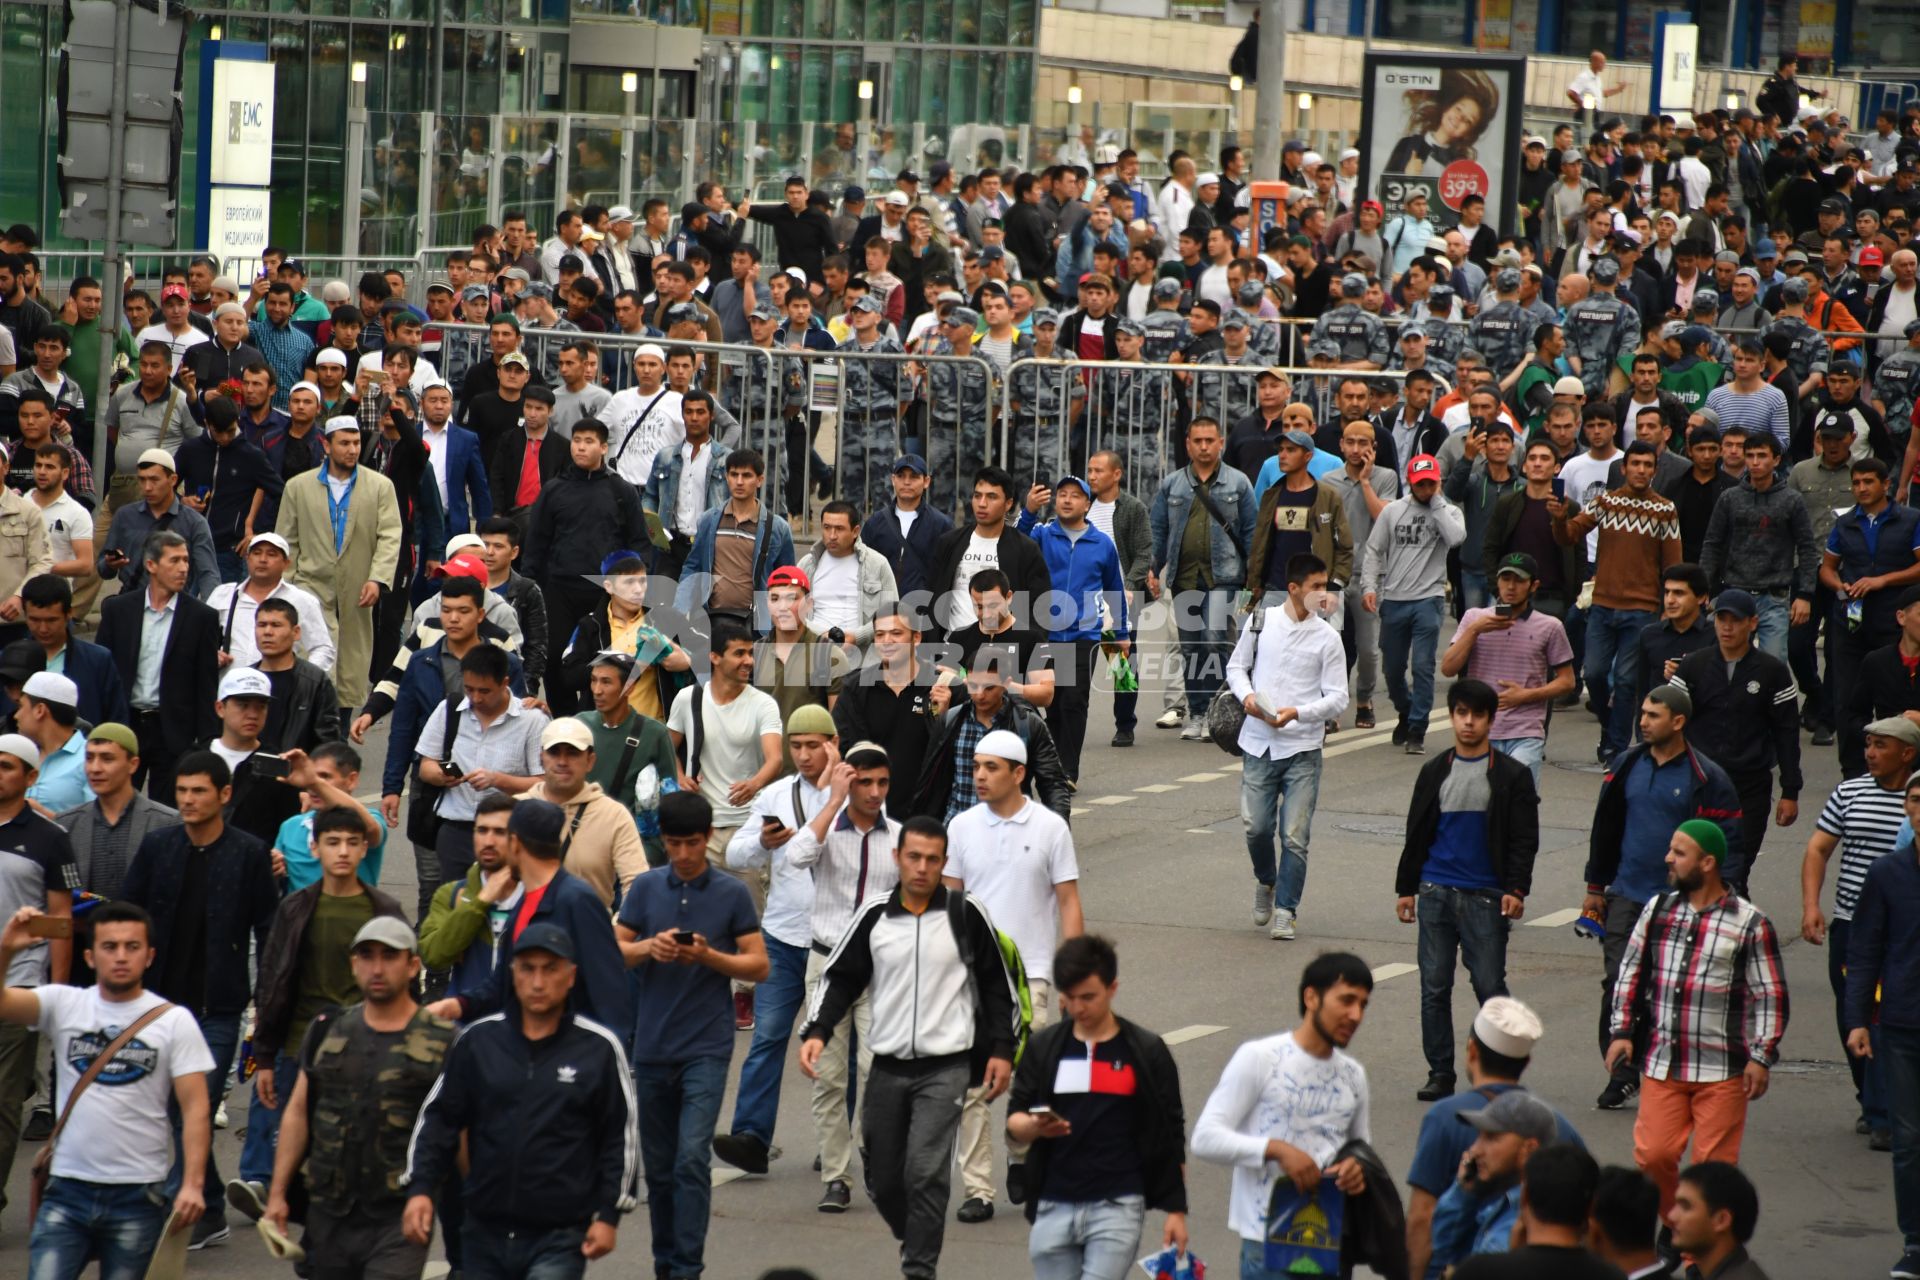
[1132,412]
[1227,397]
[1810,353]
[749,389]
[1045,421]
[1503,333]
[1166,333]
[1360,334]
[957,407]
[1896,384]
[1599,328]
[871,393]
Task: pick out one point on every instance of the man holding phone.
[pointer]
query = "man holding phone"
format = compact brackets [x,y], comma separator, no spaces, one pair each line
[1521,653]
[261,799]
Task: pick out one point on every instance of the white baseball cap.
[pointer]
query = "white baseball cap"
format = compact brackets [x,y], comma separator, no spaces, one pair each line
[272,540]
[566,732]
[48,686]
[245,682]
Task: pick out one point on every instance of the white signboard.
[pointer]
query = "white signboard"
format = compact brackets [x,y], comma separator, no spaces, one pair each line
[1679,47]
[242,120]
[237,221]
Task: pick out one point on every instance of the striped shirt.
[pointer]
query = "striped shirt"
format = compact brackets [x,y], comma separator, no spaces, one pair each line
[850,867]
[1865,817]
[1713,989]
[1762,410]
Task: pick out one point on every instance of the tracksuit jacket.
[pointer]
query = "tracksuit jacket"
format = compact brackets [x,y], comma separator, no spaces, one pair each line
[1714,799]
[1747,722]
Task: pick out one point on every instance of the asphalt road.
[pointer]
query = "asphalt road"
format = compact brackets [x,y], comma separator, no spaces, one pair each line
[1165,875]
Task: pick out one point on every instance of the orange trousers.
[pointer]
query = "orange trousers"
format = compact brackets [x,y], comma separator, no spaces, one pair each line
[1713,1116]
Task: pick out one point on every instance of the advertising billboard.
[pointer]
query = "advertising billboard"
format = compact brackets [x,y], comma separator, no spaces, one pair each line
[1443,125]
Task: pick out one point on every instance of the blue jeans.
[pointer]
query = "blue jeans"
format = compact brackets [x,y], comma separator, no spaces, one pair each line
[1775,622]
[1900,1048]
[1531,752]
[1280,793]
[493,1251]
[1473,590]
[679,1104]
[1869,1074]
[1464,922]
[222,1032]
[1089,1240]
[117,1223]
[1204,622]
[263,1123]
[232,566]
[776,1002]
[1410,627]
[1613,670]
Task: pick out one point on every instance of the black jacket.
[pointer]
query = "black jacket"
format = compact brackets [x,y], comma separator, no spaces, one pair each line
[803,239]
[1019,558]
[1882,687]
[1714,799]
[580,517]
[1498,540]
[280,958]
[1027,240]
[1070,329]
[1046,778]
[1374,1231]
[1158,1119]
[1513,823]
[313,711]
[509,455]
[550,1125]
[241,900]
[189,668]
[908,554]
[1660,643]
[530,607]
[1747,723]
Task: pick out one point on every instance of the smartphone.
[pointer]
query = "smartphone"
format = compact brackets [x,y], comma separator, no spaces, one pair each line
[771,823]
[269,766]
[50,927]
[1559,488]
[451,769]
[1040,1109]
[1503,610]
[683,937]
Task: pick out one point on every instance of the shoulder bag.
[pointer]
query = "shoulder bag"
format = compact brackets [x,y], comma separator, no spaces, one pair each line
[43,1162]
[1227,714]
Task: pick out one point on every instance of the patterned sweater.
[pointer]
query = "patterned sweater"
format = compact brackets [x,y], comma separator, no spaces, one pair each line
[1639,537]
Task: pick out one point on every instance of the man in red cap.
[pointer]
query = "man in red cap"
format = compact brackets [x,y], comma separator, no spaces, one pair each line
[175,328]
[1403,578]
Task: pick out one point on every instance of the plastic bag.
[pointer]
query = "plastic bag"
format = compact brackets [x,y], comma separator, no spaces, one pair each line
[1171,1264]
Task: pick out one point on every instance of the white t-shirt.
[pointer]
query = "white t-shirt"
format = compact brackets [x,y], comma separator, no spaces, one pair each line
[981,553]
[233,758]
[178,343]
[1012,865]
[119,1132]
[729,743]
[638,428]
[1588,82]
[66,520]
[1273,1088]
[836,593]
[906,519]
[1100,516]
[1586,479]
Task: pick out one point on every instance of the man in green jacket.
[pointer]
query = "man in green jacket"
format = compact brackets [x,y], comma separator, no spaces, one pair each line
[633,753]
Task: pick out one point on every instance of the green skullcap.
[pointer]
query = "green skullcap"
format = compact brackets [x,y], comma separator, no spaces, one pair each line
[812,718]
[116,733]
[1707,835]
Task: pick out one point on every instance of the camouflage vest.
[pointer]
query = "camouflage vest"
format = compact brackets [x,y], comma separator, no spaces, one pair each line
[360,1128]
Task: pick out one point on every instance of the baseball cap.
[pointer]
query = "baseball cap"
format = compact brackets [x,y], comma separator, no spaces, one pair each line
[245,682]
[173,291]
[46,686]
[1002,744]
[1794,290]
[910,462]
[789,576]
[1518,563]
[1298,439]
[1235,319]
[388,932]
[272,540]
[542,935]
[765,311]
[21,659]
[619,213]
[1509,1028]
[1833,206]
[440,285]
[469,292]
[156,458]
[1507,280]
[1166,288]
[1736,602]
[1207,179]
[1897,727]
[515,358]
[1048,316]
[1423,466]
[966,316]
[1872,257]
[898,199]
[1833,424]
[1353,284]
[1604,270]
[1570,156]
[464,565]
[1077,483]
[867,302]
[1516,1112]
[20,746]
[566,732]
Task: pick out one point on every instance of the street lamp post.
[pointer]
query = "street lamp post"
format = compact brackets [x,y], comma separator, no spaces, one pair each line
[866,129]
[1269,109]
[630,88]
[356,160]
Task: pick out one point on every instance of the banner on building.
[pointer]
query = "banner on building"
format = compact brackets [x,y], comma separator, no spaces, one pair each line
[236,149]
[1445,126]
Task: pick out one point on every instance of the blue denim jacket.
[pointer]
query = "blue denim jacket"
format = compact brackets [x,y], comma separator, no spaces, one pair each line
[1233,494]
[1465,1224]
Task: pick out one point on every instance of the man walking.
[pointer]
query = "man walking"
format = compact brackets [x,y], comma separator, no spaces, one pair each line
[533,1209]
[1288,670]
[1521,653]
[945,1018]
[1090,598]
[364,1071]
[1760,542]
[1700,1007]
[1403,578]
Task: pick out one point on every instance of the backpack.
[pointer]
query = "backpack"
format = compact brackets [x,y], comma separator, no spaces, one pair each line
[1016,970]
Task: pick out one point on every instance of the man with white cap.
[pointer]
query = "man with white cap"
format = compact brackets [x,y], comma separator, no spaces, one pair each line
[121,552]
[643,419]
[260,801]
[1498,1053]
[1016,856]
[268,558]
[343,531]
[48,709]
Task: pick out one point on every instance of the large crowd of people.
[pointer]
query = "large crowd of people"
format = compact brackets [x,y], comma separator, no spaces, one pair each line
[727,618]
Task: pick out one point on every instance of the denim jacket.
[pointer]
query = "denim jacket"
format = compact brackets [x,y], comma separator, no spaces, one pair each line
[1233,493]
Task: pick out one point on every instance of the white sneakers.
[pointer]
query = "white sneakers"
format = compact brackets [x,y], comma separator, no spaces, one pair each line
[1195,731]
[1282,929]
[1171,718]
[1262,902]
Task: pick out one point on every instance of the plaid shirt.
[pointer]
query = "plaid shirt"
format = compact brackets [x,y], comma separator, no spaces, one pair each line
[287,351]
[1715,994]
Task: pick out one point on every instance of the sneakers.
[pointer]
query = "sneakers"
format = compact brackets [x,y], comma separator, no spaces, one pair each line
[1016,1182]
[1439,1085]
[1171,718]
[1195,731]
[1908,1268]
[742,1151]
[836,1198]
[1363,716]
[1262,902]
[1823,736]
[39,1126]
[1617,1093]
[975,1210]
[1282,930]
[207,1232]
[1122,738]
[1880,1140]
[248,1198]
[1416,746]
[1400,732]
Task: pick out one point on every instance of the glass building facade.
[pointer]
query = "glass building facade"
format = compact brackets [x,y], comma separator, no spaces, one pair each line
[472,107]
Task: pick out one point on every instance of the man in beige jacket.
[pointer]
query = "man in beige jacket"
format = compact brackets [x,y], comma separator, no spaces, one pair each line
[601,844]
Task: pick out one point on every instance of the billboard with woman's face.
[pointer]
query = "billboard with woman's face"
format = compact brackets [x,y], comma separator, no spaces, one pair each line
[1443,125]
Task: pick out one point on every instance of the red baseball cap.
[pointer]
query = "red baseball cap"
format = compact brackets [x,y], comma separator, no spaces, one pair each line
[1872,257]
[175,291]
[789,576]
[1424,466]
[464,565]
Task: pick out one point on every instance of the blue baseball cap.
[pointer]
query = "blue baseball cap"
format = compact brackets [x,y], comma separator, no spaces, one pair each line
[1077,482]
[1736,602]
[1299,439]
[910,462]
[544,936]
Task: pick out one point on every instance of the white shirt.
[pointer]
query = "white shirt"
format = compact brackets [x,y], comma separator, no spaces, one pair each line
[119,1132]
[639,426]
[230,599]
[1900,313]
[848,868]
[1697,178]
[730,736]
[1214,284]
[1012,865]
[836,593]
[178,343]
[1176,211]
[1289,663]
[1588,81]
[1586,478]
[690,503]
[1273,1088]
[981,553]
[66,520]
[436,442]
[789,913]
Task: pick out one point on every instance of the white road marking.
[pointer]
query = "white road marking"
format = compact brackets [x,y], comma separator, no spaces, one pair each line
[1199,831]
[1197,1031]
[1556,919]
[721,1177]
[1079,813]
[1157,788]
[1203,777]
[1111,800]
[1389,971]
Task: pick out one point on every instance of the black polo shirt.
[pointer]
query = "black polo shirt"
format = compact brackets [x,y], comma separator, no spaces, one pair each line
[35,859]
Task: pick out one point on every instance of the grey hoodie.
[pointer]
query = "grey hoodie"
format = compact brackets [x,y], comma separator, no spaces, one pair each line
[1407,551]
